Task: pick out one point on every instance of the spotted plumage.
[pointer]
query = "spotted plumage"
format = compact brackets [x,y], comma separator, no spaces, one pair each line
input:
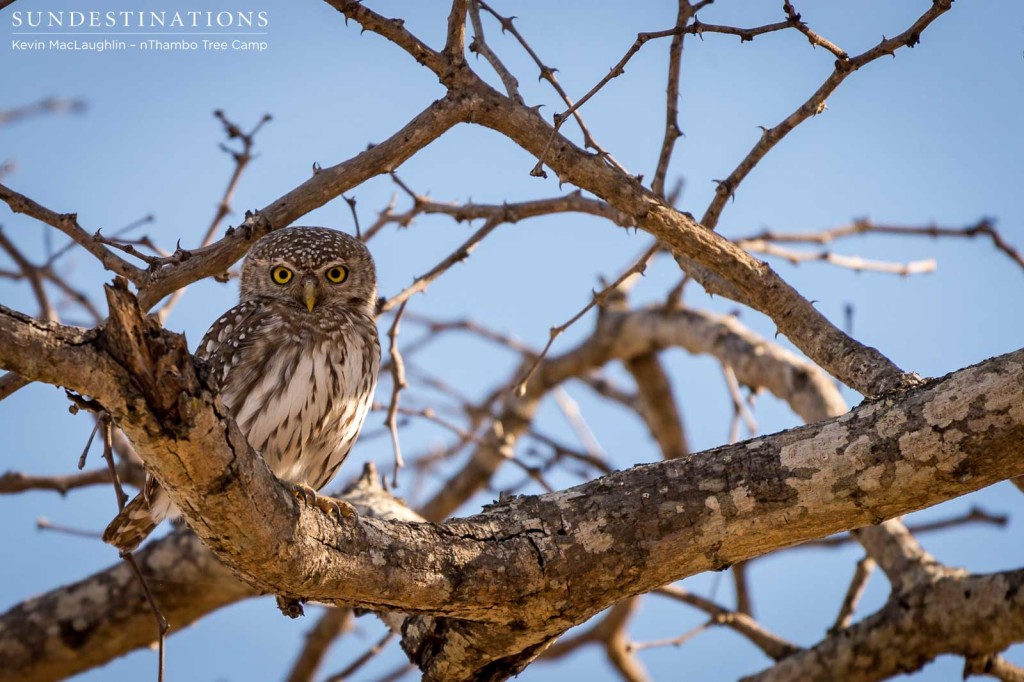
[295,362]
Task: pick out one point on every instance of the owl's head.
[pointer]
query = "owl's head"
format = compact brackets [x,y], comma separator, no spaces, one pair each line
[312,268]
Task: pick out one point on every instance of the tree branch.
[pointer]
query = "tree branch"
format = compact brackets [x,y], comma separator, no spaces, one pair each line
[748,280]
[518,561]
[325,185]
[956,614]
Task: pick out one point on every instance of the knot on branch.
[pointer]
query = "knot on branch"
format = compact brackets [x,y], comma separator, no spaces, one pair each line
[157,360]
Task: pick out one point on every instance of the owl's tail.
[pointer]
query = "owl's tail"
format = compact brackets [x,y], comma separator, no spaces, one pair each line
[137,520]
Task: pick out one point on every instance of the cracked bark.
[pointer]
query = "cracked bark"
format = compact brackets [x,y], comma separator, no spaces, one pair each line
[527,569]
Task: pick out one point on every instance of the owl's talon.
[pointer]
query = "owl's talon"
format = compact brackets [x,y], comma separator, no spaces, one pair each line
[328,505]
[303,493]
[333,507]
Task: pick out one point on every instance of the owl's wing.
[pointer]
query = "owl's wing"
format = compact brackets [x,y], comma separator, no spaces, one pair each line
[228,335]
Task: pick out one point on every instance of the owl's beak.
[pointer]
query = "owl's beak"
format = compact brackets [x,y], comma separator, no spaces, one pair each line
[309,293]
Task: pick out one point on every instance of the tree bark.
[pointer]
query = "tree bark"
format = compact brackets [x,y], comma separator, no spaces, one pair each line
[527,569]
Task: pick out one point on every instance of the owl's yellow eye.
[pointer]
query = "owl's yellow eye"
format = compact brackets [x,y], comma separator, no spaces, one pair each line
[281,275]
[337,274]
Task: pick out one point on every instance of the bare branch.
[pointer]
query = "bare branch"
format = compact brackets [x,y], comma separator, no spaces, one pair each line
[480,47]
[327,184]
[815,104]
[16,482]
[854,263]
[992,665]
[397,384]
[68,224]
[334,622]
[241,157]
[865,567]
[961,614]
[49,105]
[772,645]
[460,254]
[983,228]
[672,131]
[547,73]
[455,43]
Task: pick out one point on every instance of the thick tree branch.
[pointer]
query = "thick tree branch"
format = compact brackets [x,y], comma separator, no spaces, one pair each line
[622,336]
[968,615]
[519,561]
[88,623]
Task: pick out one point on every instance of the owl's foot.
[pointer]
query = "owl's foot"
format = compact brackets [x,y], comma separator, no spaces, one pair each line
[327,505]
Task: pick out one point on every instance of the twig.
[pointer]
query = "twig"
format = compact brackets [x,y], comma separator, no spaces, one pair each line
[16,482]
[740,411]
[355,665]
[50,105]
[88,444]
[42,523]
[106,424]
[638,267]
[161,622]
[865,567]
[355,216]
[854,263]
[480,47]
[397,384]
[32,274]
[384,218]
[548,74]
[812,37]
[571,410]
[815,104]
[241,157]
[594,460]
[745,35]
[674,641]
[126,246]
[672,131]
[436,327]
[771,644]
[460,254]
[334,622]
[135,224]
[615,72]
[983,228]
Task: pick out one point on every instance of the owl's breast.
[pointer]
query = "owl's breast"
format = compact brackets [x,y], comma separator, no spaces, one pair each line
[302,400]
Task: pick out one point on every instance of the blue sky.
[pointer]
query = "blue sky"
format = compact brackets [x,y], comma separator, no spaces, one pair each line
[930,136]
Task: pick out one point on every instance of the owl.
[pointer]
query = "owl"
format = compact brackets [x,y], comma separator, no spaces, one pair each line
[295,364]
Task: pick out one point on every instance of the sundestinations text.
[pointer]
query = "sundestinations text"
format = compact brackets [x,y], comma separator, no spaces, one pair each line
[140,19]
